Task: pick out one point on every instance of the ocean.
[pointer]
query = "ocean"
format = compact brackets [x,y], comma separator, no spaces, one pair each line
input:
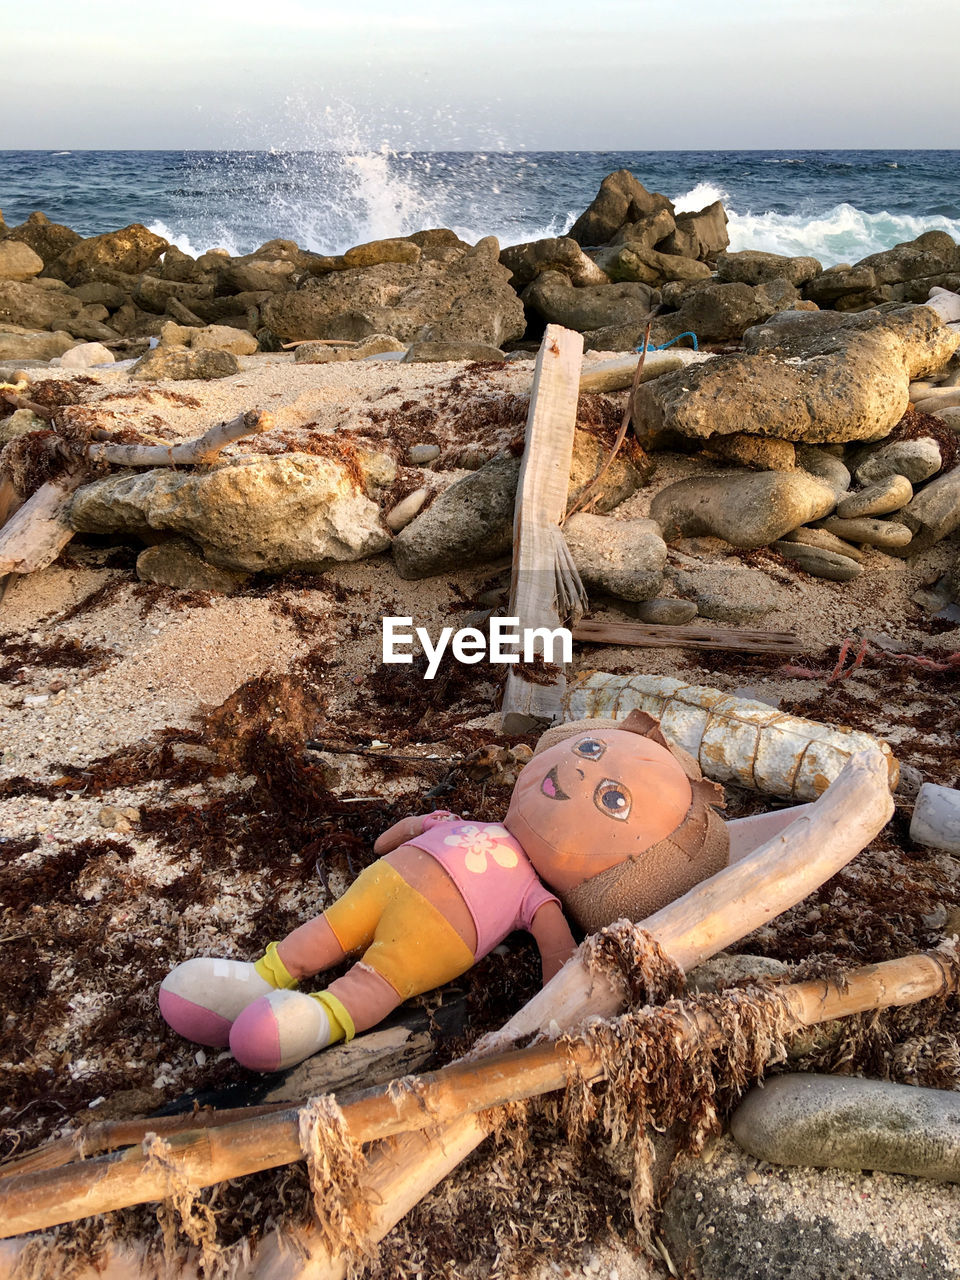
[836,205]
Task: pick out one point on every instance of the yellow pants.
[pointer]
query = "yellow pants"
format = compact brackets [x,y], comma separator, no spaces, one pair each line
[404,937]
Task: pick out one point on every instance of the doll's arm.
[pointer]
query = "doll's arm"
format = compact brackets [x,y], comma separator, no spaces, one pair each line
[407,828]
[553,938]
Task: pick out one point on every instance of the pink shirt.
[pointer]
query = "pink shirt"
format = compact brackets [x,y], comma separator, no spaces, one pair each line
[488,866]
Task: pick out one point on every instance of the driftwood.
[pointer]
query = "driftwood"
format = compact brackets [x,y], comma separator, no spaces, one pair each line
[694,636]
[704,921]
[619,374]
[544,578]
[38,531]
[203,449]
[217,1153]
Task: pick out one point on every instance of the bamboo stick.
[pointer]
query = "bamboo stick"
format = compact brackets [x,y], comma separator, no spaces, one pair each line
[203,449]
[206,1156]
[710,917]
[694,636]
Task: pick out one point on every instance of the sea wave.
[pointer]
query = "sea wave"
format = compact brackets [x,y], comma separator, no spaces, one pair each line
[841,234]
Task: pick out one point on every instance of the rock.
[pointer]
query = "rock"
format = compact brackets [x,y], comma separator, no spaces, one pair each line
[180,563]
[722,312]
[818,537]
[132,250]
[558,253]
[939,398]
[946,303]
[623,558]
[471,523]
[725,970]
[936,820]
[878,499]
[29,305]
[630,469]
[746,509]
[820,562]
[467,299]
[646,233]
[950,417]
[736,595]
[375,252]
[441,352]
[555,299]
[18,261]
[179,364]
[420,454]
[253,274]
[18,343]
[756,452]
[101,293]
[932,253]
[47,239]
[177,265]
[20,423]
[86,354]
[253,514]
[699,235]
[631,261]
[753,267]
[321,353]
[664,611]
[849,1123]
[154,294]
[875,533]
[934,512]
[823,465]
[621,199]
[728,1219]
[405,510]
[917,460]
[847,383]
[835,282]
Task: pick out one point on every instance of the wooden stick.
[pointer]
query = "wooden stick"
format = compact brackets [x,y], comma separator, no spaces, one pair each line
[321,342]
[695,636]
[712,916]
[38,531]
[540,506]
[203,449]
[22,402]
[215,1154]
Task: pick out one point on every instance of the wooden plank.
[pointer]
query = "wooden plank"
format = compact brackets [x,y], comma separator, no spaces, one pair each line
[654,636]
[540,507]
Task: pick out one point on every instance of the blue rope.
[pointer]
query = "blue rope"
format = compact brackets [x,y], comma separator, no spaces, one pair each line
[688,334]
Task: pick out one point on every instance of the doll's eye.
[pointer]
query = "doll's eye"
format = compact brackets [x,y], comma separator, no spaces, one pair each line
[590,749]
[613,799]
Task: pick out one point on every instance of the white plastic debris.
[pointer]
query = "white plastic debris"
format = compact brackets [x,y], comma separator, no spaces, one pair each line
[936,818]
[736,740]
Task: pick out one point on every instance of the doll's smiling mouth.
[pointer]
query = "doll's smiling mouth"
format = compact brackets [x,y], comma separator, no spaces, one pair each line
[550,786]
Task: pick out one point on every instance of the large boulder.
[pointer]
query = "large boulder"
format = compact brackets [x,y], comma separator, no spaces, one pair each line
[131,249]
[30,305]
[753,267]
[847,383]
[702,234]
[47,239]
[18,261]
[178,364]
[152,293]
[558,253]
[632,261]
[466,299]
[553,297]
[931,254]
[724,312]
[19,343]
[252,514]
[747,509]
[621,199]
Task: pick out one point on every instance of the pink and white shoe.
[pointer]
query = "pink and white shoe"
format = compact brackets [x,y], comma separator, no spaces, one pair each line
[279,1030]
[201,997]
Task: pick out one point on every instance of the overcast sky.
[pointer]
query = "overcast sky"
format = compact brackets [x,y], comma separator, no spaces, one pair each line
[444,74]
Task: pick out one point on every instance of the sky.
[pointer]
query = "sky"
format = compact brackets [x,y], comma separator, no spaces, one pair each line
[512,74]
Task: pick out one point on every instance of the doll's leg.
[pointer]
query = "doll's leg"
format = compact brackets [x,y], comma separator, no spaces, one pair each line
[747,834]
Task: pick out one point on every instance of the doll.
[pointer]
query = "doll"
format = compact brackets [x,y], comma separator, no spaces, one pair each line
[606,820]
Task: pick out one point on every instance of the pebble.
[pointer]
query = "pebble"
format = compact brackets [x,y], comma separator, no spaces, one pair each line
[405,510]
[843,1122]
[950,417]
[875,533]
[878,499]
[918,460]
[664,611]
[823,465]
[825,541]
[819,562]
[418,454]
[938,398]
[936,818]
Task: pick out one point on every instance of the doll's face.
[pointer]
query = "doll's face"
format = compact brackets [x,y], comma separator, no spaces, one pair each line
[594,800]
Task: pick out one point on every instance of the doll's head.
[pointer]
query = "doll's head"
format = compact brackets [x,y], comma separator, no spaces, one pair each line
[596,794]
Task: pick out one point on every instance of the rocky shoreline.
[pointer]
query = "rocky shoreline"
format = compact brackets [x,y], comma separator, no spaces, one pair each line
[202,622]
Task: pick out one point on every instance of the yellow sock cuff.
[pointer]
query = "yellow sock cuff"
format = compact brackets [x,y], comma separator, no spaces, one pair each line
[272,969]
[341,1024]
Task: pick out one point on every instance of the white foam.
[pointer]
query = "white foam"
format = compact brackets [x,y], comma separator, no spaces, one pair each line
[842,234]
[699,197]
